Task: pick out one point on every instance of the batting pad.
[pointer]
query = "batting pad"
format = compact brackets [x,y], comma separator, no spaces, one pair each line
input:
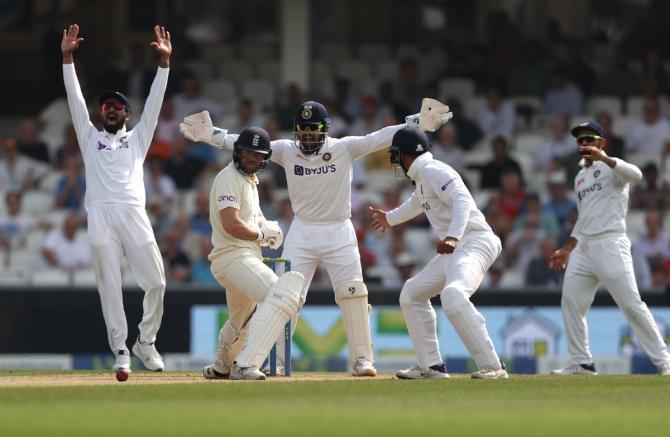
[352,298]
[470,326]
[281,303]
[231,342]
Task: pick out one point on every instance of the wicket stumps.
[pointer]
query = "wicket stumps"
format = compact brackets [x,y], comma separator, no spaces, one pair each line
[280,266]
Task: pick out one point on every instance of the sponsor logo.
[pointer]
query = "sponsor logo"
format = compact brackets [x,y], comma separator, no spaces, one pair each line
[444,187]
[227,198]
[327,156]
[299,170]
[425,206]
[352,290]
[595,187]
[103,146]
[419,148]
[123,143]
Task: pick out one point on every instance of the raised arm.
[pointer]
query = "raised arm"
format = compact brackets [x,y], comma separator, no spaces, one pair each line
[409,209]
[75,98]
[147,124]
[198,127]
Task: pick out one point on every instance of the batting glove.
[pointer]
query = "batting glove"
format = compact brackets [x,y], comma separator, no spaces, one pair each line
[198,127]
[272,235]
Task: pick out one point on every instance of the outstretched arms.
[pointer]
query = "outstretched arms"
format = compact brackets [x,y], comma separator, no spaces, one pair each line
[75,98]
[162,45]
[70,43]
[199,127]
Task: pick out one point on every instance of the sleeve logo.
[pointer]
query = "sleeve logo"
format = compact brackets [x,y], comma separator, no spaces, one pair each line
[227,198]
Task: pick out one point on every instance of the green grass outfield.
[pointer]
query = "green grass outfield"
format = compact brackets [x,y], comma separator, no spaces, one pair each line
[522,405]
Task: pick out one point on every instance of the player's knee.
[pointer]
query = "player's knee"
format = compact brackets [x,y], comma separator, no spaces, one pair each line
[285,293]
[350,290]
[453,300]
[406,294]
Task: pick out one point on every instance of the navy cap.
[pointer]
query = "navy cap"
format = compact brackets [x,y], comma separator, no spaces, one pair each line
[115,95]
[410,141]
[312,112]
[590,126]
[254,139]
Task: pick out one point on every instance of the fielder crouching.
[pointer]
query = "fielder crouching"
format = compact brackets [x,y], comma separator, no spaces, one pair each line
[239,229]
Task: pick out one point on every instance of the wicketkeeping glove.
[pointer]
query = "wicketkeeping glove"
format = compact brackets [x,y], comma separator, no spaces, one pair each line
[433,115]
[198,127]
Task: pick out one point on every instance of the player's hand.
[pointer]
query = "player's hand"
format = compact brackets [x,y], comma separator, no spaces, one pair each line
[71,40]
[433,115]
[448,245]
[379,221]
[198,127]
[593,153]
[559,259]
[273,236]
[162,45]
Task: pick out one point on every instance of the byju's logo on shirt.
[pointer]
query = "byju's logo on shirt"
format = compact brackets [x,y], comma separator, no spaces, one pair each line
[227,198]
[103,146]
[299,170]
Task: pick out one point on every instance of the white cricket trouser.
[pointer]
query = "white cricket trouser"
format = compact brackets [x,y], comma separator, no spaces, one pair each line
[247,281]
[335,245]
[115,231]
[607,260]
[455,278]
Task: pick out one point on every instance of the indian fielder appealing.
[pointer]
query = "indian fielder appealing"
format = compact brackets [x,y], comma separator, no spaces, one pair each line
[466,250]
[598,251]
[239,229]
[115,200]
[319,173]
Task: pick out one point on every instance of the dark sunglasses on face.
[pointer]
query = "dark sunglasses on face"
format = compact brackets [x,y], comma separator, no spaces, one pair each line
[117,106]
[310,127]
[588,138]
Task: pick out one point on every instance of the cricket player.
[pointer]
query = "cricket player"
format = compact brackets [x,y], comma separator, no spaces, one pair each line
[466,250]
[319,173]
[239,229]
[598,251]
[115,199]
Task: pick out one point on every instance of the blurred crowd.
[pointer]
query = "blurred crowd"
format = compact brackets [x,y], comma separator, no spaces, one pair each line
[514,102]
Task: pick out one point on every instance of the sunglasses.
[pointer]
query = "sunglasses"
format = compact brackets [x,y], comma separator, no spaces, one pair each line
[117,106]
[588,138]
[310,127]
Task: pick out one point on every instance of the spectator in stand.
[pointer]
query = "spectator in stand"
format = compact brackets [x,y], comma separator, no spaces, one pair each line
[285,110]
[177,263]
[651,193]
[446,147]
[404,266]
[17,172]
[14,223]
[190,99]
[614,146]
[653,246]
[67,247]
[201,272]
[69,148]
[369,121]
[407,90]
[469,133]
[137,77]
[560,145]
[563,97]
[199,221]
[496,115]
[245,116]
[531,76]
[523,245]
[368,258]
[491,172]
[512,194]
[653,74]
[559,204]
[538,272]
[29,143]
[70,189]
[158,186]
[577,69]
[182,168]
[548,222]
[651,135]
[619,79]
[167,130]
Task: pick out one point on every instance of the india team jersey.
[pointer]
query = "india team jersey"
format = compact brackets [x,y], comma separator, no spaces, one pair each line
[602,197]
[320,186]
[232,189]
[113,162]
[441,194]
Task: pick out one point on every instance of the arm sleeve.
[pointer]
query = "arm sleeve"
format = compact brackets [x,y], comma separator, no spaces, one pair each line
[76,103]
[359,147]
[407,211]
[627,171]
[228,194]
[450,188]
[152,108]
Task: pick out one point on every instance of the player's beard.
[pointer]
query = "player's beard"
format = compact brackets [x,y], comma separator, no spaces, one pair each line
[113,126]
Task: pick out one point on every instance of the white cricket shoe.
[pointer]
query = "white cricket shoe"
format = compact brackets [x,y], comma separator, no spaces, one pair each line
[434,372]
[664,369]
[149,356]
[246,373]
[364,367]
[122,361]
[489,372]
[211,372]
[576,369]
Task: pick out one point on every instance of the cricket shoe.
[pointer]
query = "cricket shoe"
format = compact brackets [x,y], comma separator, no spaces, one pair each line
[664,369]
[246,373]
[438,371]
[209,372]
[489,372]
[149,356]
[576,369]
[364,367]
[122,361]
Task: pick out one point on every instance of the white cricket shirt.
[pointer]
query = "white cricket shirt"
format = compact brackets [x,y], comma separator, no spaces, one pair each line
[113,162]
[602,197]
[441,194]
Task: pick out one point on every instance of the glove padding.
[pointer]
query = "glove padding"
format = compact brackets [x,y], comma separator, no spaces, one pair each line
[199,127]
[433,115]
[270,234]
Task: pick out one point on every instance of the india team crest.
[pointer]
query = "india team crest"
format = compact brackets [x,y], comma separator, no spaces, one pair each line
[307,112]
[327,156]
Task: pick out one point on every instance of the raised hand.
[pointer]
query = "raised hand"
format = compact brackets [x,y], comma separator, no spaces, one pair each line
[162,45]
[70,41]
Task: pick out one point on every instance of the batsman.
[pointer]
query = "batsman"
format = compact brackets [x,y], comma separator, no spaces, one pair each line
[319,173]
